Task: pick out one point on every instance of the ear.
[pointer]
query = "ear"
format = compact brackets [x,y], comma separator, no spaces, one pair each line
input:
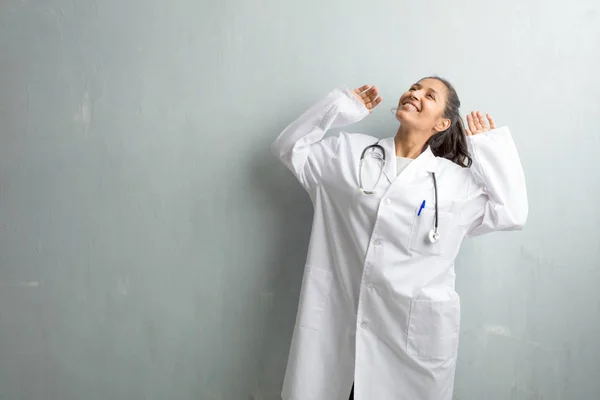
[442,124]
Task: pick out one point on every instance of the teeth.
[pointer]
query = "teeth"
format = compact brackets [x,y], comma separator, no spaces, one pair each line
[409,107]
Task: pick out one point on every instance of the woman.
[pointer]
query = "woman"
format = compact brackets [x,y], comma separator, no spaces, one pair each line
[378,309]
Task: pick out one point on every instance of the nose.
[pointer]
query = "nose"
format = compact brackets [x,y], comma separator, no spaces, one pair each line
[413,96]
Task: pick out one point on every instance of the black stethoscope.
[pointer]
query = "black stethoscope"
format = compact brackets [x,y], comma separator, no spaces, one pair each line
[434,234]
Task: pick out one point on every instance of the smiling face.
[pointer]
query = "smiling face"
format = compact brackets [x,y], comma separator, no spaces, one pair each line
[422,106]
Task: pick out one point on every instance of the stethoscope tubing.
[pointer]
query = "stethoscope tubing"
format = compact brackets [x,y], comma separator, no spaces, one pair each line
[434,234]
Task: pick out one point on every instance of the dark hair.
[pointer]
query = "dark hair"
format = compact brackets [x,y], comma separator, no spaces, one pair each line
[451,143]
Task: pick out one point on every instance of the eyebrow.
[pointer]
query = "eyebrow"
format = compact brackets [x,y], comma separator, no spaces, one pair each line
[419,86]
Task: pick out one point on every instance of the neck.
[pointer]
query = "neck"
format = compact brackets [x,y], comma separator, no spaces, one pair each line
[409,143]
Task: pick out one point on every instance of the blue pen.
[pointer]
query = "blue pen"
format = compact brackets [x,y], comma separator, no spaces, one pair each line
[421,209]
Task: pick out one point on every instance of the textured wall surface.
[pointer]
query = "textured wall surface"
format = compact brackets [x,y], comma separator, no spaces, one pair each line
[151,247]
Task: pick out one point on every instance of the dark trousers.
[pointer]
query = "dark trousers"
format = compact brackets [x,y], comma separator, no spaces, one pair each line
[352,393]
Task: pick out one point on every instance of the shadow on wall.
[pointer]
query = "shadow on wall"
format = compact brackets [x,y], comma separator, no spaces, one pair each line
[292,212]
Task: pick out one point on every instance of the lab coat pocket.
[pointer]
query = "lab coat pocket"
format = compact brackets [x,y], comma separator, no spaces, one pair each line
[433,328]
[316,287]
[419,237]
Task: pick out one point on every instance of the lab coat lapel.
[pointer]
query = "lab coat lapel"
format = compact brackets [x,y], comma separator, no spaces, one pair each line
[420,168]
[390,158]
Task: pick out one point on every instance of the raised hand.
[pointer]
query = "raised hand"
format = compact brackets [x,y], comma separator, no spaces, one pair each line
[368,95]
[478,124]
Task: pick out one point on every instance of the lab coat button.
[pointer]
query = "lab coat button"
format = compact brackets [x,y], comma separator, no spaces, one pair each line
[388,201]
[363,324]
[378,243]
[369,284]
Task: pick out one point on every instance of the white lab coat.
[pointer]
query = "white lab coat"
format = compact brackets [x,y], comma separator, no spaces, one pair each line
[377,304]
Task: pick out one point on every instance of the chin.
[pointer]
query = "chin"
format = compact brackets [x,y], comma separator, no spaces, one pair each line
[403,116]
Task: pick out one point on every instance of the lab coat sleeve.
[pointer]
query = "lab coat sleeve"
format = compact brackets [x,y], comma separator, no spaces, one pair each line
[301,147]
[497,195]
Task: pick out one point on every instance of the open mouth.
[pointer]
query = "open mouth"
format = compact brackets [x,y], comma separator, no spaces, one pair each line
[408,106]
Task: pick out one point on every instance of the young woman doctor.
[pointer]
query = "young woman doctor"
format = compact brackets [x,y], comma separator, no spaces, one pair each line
[378,314]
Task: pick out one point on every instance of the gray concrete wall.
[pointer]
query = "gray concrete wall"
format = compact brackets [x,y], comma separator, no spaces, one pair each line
[152,248]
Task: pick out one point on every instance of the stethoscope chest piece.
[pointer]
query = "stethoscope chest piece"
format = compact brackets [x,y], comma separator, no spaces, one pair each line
[434,235]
